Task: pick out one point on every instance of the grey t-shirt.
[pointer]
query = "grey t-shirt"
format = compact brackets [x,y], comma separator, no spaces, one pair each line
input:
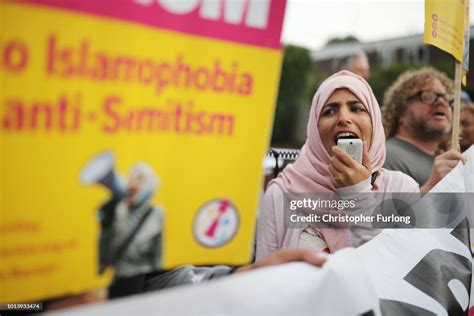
[407,158]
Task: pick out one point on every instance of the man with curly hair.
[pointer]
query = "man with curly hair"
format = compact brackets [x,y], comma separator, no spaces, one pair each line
[417,117]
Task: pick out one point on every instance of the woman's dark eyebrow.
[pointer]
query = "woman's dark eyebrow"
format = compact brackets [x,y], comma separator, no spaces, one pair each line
[336,104]
[332,105]
[352,102]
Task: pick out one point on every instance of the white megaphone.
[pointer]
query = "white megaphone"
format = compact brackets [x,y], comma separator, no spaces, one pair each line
[100,169]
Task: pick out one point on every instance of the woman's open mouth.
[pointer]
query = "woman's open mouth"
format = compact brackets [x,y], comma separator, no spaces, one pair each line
[344,135]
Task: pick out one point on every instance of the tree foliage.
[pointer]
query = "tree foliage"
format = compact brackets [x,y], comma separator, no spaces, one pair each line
[338,40]
[292,92]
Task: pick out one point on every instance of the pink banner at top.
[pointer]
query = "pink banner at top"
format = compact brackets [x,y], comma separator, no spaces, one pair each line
[255,22]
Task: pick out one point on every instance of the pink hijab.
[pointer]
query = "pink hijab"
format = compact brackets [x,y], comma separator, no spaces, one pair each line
[310,172]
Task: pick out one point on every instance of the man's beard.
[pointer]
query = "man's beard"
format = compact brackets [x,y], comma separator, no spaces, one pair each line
[421,130]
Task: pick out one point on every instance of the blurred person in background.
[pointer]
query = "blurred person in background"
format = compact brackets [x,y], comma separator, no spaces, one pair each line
[467,127]
[358,64]
[417,116]
[465,98]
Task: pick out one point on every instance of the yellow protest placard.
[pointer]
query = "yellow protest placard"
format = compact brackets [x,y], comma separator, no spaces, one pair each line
[444,25]
[132,137]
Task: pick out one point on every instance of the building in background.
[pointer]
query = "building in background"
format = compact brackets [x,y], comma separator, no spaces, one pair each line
[406,50]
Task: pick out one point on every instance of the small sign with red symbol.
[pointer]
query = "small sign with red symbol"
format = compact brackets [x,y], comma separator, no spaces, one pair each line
[216,223]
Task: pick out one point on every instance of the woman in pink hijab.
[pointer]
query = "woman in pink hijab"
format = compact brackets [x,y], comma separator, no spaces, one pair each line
[343,106]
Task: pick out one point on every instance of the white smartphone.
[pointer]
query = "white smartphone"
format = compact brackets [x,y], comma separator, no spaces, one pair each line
[353,147]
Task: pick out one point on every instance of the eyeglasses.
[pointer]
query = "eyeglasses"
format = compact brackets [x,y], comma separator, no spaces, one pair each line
[430,97]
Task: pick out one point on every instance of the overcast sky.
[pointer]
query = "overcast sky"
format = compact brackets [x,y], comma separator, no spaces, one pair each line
[310,23]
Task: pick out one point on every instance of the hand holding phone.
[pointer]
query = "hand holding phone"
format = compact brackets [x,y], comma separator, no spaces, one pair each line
[353,147]
[346,171]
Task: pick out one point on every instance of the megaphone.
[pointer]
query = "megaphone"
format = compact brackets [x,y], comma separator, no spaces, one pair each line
[100,169]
